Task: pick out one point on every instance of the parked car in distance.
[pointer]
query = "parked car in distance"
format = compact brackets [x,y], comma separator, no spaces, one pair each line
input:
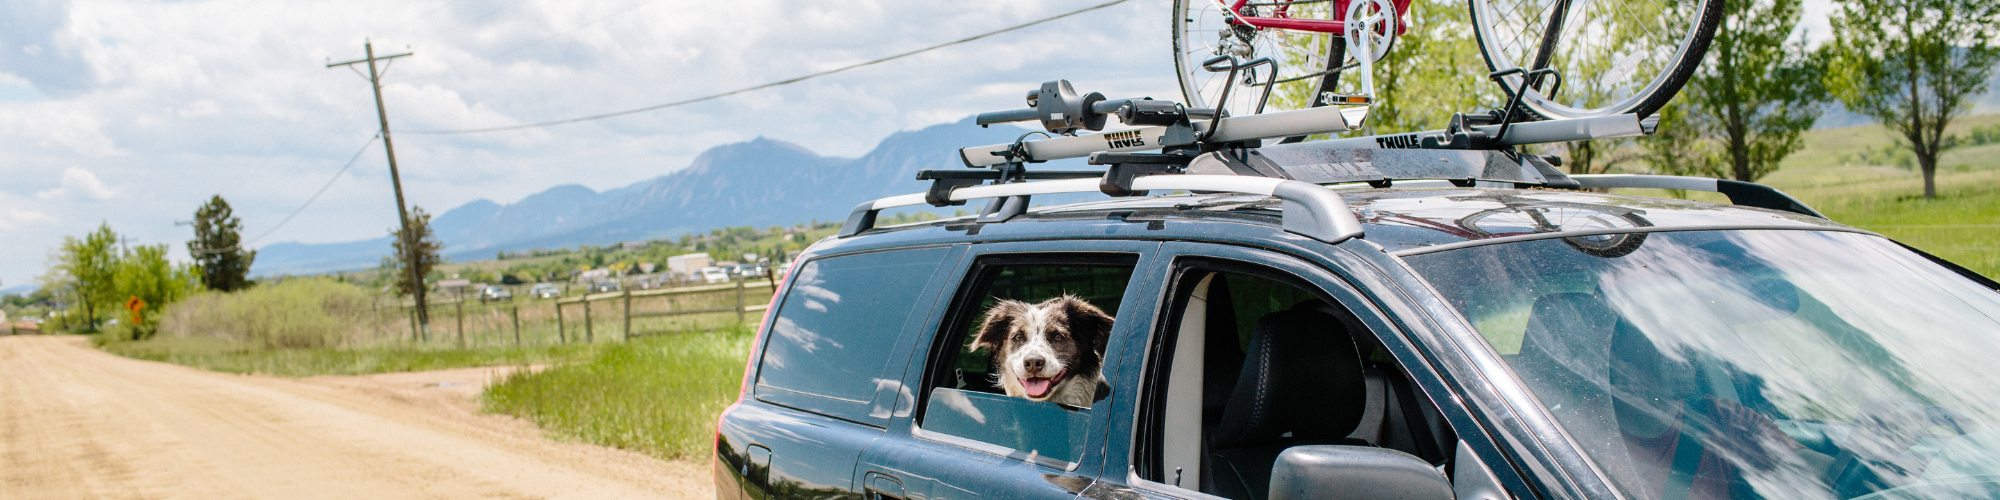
[714,275]
[601,286]
[649,282]
[544,291]
[495,293]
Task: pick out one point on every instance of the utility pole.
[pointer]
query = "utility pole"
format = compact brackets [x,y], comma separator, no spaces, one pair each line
[402,214]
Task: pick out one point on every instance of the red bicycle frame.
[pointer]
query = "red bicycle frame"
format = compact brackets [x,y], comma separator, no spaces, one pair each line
[1281,18]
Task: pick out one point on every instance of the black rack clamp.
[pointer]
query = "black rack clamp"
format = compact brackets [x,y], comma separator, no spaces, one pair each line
[1122,168]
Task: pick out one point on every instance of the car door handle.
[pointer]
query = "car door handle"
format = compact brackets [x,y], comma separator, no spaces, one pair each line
[881,486]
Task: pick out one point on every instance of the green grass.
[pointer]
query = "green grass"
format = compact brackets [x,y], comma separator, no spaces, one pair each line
[235,357]
[654,395]
[1830,174]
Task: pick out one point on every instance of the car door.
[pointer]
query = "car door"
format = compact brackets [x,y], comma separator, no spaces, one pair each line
[956,433]
[1182,435]
[822,384]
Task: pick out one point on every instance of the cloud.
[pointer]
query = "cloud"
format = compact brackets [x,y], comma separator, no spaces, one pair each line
[16,218]
[77,181]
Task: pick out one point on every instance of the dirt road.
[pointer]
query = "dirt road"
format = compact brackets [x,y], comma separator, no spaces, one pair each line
[79,423]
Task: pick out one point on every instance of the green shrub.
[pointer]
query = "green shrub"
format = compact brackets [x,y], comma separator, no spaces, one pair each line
[655,395]
[295,314]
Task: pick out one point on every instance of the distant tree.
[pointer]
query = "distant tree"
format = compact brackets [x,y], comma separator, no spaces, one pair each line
[87,268]
[146,274]
[216,247]
[420,250]
[1758,89]
[1911,64]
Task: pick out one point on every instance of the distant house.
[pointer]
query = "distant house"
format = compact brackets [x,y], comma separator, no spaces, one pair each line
[594,274]
[689,263]
[453,286]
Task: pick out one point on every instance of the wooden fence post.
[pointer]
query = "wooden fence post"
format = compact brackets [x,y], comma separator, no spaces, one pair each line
[459,317]
[516,310]
[589,337]
[627,333]
[560,337]
[739,302]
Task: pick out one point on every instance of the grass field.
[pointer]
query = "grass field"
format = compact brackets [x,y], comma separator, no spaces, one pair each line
[234,357]
[1837,174]
[655,395]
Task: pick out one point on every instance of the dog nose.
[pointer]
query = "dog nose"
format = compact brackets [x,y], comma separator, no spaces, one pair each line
[1034,365]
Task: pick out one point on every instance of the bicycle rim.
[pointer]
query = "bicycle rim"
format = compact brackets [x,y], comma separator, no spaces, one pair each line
[1615,56]
[1199,29]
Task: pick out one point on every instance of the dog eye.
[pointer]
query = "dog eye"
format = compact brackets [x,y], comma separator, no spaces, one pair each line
[1062,336]
[1020,338]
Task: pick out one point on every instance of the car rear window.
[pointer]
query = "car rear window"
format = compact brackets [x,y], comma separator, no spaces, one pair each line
[841,319]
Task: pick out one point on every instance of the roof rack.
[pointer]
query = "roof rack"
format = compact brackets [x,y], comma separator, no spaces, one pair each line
[1205,150]
[1310,210]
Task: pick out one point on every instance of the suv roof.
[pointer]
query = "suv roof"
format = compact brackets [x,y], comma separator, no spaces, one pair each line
[1401,220]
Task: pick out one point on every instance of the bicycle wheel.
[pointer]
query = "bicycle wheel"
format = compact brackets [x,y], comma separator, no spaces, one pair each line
[1202,31]
[1613,56]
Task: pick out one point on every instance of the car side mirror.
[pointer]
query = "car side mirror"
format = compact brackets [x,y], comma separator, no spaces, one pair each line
[1330,471]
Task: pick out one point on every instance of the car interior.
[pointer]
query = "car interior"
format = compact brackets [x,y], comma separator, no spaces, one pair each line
[1257,365]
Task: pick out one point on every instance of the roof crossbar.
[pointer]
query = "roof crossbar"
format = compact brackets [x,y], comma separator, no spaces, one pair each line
[1310,210]
[1739,192]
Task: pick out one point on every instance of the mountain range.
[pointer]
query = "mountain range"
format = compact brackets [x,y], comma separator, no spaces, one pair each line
[761,182]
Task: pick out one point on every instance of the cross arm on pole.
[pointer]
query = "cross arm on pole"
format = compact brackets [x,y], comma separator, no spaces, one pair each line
[358,61]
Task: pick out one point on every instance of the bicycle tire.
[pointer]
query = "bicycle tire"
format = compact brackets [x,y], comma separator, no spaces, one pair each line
[1196,20]
[1502,32]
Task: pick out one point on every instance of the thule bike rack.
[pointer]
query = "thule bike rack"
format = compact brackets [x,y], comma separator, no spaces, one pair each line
[1204,150]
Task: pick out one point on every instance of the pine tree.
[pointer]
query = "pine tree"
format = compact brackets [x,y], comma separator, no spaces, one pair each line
[216,247]
[421,250]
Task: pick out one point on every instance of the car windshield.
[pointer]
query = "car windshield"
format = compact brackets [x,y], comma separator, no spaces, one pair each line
[1747,364]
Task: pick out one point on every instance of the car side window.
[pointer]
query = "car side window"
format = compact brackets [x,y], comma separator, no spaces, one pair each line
[841,318]
[1252,361]
[1018,361]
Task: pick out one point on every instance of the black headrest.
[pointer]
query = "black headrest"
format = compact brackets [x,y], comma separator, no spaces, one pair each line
[1301,375]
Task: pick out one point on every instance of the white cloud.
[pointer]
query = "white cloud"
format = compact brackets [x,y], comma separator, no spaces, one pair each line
[16,218]
[77,181]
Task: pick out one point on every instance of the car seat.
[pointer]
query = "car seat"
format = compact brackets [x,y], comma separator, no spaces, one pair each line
[1301,384]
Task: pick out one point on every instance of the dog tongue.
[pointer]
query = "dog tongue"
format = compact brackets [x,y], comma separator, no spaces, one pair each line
[1037,387]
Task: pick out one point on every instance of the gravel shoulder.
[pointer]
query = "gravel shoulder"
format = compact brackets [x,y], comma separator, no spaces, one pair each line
[76,422]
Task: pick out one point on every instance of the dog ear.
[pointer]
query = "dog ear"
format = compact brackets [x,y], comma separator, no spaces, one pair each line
[999,320]
[1086,321]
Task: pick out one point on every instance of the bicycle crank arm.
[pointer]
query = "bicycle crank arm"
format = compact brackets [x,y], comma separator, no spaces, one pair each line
[1232,129]
[1542,132]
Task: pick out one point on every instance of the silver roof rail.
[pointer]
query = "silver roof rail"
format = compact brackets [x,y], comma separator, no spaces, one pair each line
[1309,209]
[1740,193]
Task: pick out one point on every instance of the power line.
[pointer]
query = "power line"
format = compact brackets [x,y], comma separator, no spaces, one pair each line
[772,84]
[322,190]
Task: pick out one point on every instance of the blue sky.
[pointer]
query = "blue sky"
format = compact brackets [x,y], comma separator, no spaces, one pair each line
[132,112]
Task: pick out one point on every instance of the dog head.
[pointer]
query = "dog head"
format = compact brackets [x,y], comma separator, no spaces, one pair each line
[1039,346]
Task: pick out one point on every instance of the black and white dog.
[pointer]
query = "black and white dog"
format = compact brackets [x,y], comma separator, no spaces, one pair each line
[1051,351]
